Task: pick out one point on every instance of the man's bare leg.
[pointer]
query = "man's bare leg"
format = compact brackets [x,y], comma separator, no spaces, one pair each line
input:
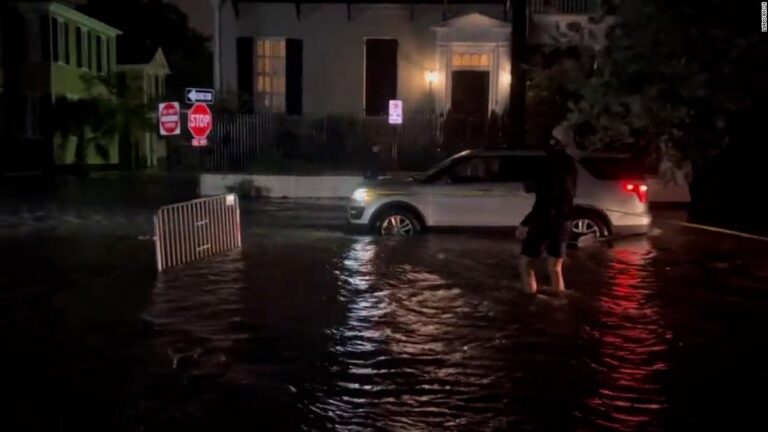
[527,275]
[555,266]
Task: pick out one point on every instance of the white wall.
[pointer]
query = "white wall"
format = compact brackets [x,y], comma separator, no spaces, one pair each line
[334,47]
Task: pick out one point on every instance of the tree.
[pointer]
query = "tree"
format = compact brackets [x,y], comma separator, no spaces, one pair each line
[680,79]
[99,117]
[151,24]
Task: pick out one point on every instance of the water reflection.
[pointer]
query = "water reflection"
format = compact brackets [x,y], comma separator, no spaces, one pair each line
[633,344]
[194,317]
[414,352]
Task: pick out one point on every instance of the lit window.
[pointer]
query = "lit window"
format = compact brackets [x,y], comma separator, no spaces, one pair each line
[270,74]
[470,60]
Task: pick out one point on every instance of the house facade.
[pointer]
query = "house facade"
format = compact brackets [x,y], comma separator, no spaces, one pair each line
[315,59]
[144,74]
[46,49]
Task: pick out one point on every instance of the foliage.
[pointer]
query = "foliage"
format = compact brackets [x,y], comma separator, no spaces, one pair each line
[673,78]
[99,117]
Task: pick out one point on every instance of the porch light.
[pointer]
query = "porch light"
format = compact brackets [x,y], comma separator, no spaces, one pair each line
[431,77]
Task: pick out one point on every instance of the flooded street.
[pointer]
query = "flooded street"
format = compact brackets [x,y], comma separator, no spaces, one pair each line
[309,328]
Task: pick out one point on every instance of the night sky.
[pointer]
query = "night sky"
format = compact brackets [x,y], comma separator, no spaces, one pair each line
[199,12]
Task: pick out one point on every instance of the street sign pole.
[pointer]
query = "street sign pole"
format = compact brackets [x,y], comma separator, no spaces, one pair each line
[395,119]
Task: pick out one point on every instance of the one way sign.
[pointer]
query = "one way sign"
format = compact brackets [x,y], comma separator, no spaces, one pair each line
[196,95]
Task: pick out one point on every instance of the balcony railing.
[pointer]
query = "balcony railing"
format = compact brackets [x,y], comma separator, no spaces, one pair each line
[568,7]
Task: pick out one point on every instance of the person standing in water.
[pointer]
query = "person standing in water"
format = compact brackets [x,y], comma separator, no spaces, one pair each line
[547,227]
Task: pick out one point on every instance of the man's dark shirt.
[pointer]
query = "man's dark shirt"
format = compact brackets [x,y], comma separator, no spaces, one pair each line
[555,190]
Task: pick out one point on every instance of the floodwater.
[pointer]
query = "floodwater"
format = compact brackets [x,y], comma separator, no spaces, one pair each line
[308,328]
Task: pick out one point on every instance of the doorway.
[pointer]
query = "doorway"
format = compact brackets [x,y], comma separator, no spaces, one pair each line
[469,107]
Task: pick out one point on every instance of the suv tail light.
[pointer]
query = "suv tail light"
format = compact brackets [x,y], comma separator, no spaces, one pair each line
[638,188]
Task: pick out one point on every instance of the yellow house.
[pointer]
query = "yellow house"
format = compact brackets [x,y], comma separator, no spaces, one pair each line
[145,73]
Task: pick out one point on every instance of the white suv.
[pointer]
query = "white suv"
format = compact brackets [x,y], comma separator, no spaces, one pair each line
[489,188]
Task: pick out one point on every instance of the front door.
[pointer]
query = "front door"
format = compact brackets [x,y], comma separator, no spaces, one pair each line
[469,106]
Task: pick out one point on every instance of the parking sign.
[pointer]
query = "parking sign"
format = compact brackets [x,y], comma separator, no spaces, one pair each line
[395,112]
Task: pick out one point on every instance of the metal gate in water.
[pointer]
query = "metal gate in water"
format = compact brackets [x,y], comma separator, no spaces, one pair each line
[192,230]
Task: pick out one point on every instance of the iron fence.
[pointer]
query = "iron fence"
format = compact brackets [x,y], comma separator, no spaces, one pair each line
[574,7]
[238,139]
[241,142]
[193,230]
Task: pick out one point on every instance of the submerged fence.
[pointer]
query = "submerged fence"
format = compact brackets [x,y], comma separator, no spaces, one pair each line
[192,230]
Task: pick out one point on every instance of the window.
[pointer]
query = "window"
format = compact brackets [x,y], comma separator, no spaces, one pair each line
[380,75]
[79,46]
[108,55]
[521,169]
[32,116]
[87,52]
[65,58]
[470,60]
[614,168]
[270,74]
[55,40]
[99,54]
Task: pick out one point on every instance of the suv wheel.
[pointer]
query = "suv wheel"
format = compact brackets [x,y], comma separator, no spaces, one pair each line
[397,222]
[585,223]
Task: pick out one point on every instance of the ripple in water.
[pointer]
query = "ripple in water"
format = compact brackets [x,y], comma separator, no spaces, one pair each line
[415,353]
[632,342]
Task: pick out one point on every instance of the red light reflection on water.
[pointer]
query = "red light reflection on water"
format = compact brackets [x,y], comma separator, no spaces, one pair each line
[632,343]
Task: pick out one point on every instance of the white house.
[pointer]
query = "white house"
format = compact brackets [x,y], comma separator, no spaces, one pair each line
[319,58]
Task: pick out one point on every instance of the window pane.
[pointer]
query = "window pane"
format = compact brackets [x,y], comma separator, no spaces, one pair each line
[466,60]
[55,39]
[65,37]
[456,60]
[484,60]
[281,45]
[79,46]
[475,60]
[267,84]
[260,84]
[267,48]
[260,48]
[260,65]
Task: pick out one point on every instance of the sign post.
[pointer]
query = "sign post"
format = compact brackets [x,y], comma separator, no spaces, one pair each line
[395,119]
[199,123]
[169,118]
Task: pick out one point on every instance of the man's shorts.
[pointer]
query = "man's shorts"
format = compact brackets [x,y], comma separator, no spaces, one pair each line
[552,239]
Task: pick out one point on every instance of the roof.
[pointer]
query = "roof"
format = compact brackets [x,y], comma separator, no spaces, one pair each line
[65,11]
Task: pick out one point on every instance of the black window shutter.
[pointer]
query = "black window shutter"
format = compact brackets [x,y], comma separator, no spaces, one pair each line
[55,39]
[380,75]
[245,71]
[79,46]
[65,36]
[294,72]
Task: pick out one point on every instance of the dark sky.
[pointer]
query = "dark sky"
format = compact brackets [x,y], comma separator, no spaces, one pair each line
[199,12]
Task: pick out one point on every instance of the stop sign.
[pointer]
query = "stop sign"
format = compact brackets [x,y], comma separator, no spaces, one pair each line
[169,118]
[200,121]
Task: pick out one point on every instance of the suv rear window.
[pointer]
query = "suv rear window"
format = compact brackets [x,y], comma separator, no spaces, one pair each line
[613,168]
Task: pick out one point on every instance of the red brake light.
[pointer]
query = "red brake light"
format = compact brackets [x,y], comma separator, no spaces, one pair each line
[639,189]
